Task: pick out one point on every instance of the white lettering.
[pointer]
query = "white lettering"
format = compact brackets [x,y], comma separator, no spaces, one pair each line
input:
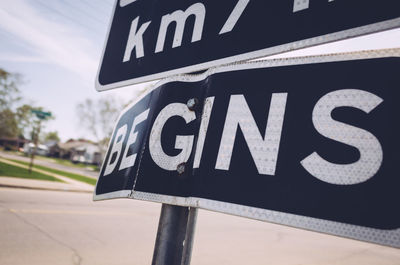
[234,16]
[183,143]
[123,3]
[371,154]
[299,5]
[264,151]
[135,40]
[129,161]
[180,17]
[205,119]
[117,147]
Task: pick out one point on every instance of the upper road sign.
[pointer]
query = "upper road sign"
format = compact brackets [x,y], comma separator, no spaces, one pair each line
[152,39]
[311,143]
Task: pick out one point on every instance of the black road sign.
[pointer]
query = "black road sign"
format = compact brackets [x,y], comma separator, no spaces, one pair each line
[311,143]
[151,39]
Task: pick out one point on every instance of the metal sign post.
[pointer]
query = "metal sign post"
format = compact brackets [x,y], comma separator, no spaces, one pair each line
[41,115]
[175,235]
[35,142]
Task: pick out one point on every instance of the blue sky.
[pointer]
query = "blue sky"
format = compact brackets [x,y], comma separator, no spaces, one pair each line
[56,45]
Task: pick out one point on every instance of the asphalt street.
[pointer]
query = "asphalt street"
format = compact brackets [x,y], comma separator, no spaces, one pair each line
[52,227]
[49,163]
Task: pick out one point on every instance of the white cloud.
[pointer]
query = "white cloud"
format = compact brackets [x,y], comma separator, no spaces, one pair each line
[59,44]
[36,38]
[11,57]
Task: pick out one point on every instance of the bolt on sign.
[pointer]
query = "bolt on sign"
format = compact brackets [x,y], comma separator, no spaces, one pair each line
[307,142]
[152,39]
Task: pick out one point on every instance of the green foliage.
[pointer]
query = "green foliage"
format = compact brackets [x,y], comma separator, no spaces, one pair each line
[52,136]
[24,118]
[8,170]
[8,124]
[15,122]
[9,92]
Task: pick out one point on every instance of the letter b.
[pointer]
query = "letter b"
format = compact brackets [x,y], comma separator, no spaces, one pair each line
[117,147]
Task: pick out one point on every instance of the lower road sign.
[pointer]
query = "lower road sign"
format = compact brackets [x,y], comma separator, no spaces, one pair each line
[307,142]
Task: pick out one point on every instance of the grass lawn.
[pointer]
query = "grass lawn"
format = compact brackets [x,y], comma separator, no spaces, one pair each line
[69,163]
[7,170]
[78,177]
[60,161]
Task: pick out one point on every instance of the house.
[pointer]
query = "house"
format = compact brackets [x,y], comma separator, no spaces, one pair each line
[81,151]
[12,143]
[54,148]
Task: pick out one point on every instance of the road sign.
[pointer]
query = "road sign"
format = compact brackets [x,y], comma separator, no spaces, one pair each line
[152,39]
[41,114]
[310,142]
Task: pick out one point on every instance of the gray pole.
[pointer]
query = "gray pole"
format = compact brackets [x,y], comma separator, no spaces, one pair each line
[175,235]
[35,140]
[190,229]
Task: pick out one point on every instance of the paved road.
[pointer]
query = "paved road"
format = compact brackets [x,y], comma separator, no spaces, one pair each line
[48,227]
[48,163]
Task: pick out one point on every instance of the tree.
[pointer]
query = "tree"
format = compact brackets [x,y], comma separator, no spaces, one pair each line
[9,94]
[8,124]
[51,136]
[25,118]
[15,122]
[98,117]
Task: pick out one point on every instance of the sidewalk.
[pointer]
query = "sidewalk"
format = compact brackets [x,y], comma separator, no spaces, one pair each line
[68,185]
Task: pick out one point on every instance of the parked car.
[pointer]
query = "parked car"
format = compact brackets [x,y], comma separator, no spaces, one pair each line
[40,149]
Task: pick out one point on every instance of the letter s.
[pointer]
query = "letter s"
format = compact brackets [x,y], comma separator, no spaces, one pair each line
[371,154]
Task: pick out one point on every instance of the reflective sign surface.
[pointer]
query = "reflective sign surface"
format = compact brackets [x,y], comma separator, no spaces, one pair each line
[152,39]
[311,143]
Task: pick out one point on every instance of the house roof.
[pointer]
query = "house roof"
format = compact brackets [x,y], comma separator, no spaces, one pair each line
[77,145]
[14,139]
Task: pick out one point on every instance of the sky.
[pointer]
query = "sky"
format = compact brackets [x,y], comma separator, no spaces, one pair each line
[56,46]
